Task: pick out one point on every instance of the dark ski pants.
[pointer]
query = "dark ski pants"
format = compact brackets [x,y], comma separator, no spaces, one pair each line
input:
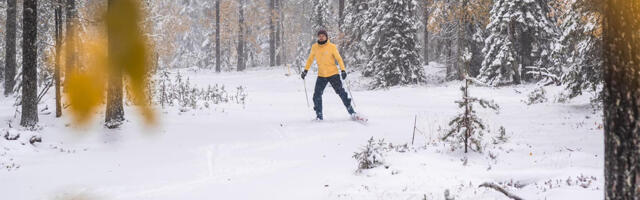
[336,83]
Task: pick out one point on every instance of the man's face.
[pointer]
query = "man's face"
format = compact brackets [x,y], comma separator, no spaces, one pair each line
[322,37]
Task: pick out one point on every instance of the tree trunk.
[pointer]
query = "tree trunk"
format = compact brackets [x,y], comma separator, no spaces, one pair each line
[515,66]
[462,42]
[450,65]
[272,34]
[278,34]
[115,110]
[217,35]
[467,113]
[241,60]
[475,48]
[70,38]
[319,17]
[621,33]
[56,72]
[340,13]
[425,47]
[29,116]
[283,49]
[526,39]
[10,47]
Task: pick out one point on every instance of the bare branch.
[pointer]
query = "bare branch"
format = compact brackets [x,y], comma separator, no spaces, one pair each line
[476,81]
[501,190]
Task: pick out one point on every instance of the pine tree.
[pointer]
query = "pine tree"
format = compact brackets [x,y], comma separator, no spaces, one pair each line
[396,56]
[475,24]
[467,126]
[579,49]
[360,19]
[29,102]
[10,47]
[452,27]
[322,17]
[519,36]
[447,24]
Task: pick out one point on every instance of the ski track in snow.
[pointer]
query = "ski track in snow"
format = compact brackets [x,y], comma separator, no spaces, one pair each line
[271,149]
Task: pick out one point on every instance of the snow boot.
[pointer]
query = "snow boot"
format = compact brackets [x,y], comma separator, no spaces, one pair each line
[319,116]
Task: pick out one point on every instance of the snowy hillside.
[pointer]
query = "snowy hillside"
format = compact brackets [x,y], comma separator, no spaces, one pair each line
[269,147]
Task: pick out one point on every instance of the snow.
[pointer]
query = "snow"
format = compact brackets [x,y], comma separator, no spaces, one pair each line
[271,149]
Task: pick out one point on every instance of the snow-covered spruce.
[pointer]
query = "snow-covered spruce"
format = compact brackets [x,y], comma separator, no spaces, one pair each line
[467,127]
[371,155]
[396,56]
[322,17]
[579,50]
[520,34]
[539,95]
[360,18]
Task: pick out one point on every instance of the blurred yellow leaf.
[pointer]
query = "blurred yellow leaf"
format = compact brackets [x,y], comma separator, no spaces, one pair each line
[125,51]
[84,96]
[85,87]
[129,52]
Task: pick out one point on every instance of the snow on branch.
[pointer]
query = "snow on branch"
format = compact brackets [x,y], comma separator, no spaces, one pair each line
[501,190]
[476,81]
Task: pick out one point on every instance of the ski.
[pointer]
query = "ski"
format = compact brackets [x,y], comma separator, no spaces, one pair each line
[359,118]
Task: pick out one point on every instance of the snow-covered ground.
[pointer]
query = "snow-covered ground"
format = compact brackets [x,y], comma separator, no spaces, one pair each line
[271,149]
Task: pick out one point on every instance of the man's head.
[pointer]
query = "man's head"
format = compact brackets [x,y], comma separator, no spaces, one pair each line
[322,36]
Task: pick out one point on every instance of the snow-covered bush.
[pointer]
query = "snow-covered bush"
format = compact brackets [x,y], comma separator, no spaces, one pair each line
[11,135]
[372,154]
[22,137]
[502,137]
[539,95]
[182,93]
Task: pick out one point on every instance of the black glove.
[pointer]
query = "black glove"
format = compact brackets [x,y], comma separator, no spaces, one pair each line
[304,74]
[344,75]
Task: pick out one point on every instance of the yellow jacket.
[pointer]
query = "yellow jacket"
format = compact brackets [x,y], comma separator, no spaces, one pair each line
[326,56]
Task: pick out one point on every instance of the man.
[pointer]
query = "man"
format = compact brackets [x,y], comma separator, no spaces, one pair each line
[326,54]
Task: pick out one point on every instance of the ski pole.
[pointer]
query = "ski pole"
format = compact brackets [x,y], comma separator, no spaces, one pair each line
[348,89]
[305,91]
[351,94]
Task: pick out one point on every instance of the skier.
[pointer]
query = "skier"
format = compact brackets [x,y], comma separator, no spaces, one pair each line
[326,54]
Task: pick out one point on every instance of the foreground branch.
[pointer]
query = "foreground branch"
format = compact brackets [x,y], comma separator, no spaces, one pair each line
[502,190]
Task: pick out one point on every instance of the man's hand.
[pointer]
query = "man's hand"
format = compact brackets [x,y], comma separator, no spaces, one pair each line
[304,74]
[344,75]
